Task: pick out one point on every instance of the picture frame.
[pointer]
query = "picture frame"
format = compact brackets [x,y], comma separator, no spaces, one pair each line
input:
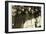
[10,25]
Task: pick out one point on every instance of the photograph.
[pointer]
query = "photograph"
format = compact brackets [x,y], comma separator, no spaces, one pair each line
[24,16]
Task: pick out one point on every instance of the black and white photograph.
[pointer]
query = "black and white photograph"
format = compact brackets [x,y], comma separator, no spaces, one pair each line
[25,16]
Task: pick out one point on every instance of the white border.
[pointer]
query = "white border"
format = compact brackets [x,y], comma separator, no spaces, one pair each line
[24,29]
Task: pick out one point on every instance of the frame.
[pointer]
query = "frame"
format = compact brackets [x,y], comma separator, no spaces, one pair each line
[10,6]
